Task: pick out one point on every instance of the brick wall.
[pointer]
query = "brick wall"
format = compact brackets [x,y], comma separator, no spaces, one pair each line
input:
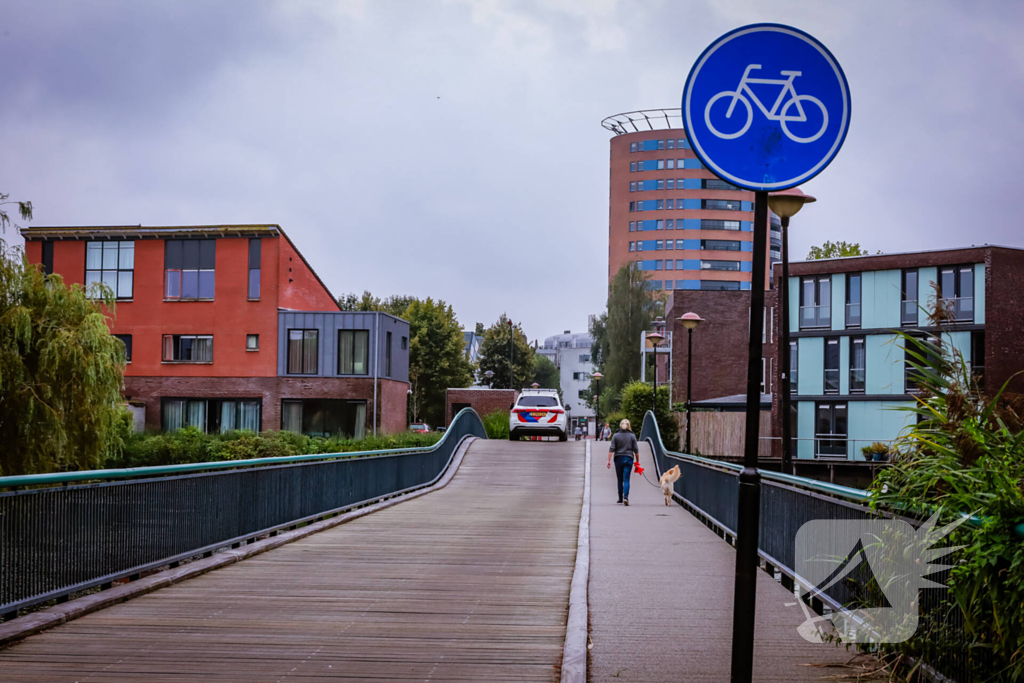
[483,401]
[271,390]
[393,398]
[1004,319]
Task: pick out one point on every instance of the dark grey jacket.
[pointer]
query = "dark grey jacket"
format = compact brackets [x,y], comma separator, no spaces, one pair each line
[624,443]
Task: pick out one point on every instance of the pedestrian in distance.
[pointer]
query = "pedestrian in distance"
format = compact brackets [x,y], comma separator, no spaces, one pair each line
[625,450]
[607,432]
[578,432]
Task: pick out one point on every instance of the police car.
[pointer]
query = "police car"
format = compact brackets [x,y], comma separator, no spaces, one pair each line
[538,412]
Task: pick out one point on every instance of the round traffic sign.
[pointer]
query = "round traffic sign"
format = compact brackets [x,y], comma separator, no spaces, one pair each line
[766,107]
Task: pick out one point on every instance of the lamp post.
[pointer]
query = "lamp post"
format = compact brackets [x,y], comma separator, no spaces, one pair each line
[655,338]
[490,376]
[690,322]
[534,386]
[597,400]
[511,348]
[786,204]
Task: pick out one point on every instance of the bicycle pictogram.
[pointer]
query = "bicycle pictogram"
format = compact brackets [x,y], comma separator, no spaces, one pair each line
[745,94]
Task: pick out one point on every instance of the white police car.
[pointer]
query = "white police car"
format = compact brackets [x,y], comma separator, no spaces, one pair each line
[538,412]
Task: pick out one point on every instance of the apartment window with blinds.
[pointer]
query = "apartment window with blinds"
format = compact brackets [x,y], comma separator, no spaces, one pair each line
[353,352]
[255,250]
[831,366]
[957,285]
[303,352]
[112,264]
[211,416]
[853,300]
[858,363]
[189,269]
[324,417]
[188,348]
[830,429]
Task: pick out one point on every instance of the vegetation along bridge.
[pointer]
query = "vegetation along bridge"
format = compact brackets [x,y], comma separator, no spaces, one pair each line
[473,560]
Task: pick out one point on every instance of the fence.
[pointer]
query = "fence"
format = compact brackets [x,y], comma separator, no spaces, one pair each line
[710,490]
[69,537]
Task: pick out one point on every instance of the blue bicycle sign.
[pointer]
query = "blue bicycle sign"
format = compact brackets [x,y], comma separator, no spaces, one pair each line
[783,113]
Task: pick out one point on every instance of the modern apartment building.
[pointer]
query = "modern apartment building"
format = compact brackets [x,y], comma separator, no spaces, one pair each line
[228,327]
[670,216]
[570,352]
[849,371]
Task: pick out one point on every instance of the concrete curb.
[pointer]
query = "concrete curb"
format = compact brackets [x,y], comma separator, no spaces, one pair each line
[574,653]
[30,624]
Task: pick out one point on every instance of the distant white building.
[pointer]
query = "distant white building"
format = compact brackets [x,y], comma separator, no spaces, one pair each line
[472,343]
[570,352]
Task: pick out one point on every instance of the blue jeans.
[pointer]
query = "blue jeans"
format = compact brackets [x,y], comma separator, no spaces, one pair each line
[623,467]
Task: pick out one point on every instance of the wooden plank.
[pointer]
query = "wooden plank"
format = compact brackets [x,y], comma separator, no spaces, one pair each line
[469,583]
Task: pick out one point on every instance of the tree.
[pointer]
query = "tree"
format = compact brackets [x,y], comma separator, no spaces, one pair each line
[631,308]
[396,305]
[437,361]
[479,330]
[494,355]
[837,250]
[545,373]
[61,371]
[636,401]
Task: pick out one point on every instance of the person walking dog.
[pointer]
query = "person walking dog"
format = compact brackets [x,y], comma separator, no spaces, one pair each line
[625,450]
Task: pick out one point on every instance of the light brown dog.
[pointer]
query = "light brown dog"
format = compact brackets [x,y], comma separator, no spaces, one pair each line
[667,480]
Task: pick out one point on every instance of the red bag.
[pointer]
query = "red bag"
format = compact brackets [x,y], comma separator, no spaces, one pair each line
[637,468]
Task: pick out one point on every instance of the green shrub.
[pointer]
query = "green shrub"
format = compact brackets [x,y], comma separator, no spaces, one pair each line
[496,424]
[636,401]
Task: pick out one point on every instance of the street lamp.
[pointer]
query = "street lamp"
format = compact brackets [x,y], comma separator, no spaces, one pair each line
[511,348]
[786,204]
[534,385]
[597,399]
[490,376]
[655,338]
[690,322]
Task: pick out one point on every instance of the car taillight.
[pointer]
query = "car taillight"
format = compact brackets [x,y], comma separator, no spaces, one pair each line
[557,411]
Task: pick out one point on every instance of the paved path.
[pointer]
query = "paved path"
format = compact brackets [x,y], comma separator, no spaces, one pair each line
[661,596]
[468,583]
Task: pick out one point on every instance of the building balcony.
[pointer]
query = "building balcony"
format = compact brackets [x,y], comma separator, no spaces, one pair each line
[814,317]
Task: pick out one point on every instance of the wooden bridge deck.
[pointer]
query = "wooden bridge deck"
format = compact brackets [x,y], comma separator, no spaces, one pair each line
[468,583]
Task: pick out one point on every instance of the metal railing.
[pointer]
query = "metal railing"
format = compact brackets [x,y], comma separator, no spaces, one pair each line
[962,307]
[815,317]
[710,490]
[87,529]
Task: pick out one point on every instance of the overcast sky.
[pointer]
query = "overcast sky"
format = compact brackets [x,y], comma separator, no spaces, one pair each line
[454,149]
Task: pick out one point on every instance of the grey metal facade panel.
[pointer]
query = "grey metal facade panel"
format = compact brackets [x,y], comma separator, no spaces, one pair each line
[329,323]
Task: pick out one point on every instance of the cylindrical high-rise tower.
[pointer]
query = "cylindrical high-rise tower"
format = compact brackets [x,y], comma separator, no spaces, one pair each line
[671,216]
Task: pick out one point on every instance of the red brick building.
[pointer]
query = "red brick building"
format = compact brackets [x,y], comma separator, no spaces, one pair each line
[229,327]
[481,399]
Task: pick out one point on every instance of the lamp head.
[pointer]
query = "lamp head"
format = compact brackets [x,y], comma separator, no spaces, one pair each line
[597,376]
[690,320]
[489,374]
[787,203]
[535,385]
[655,337]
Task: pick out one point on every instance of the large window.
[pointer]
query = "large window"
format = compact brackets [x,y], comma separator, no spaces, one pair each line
[303,352]
[48,257]
[720,265]
[957,285]
[353,352]
[716,184]
[715,224]
[721,204]
[830,429]
[858,363]
[126,339]
[720,245]
[255,258]
[832,366]
[112,264]
[853,300]
[815,302]
[188,348]
[920,351]
[189,269]
[908,300]
[211,415]
[324,417]
[719,285]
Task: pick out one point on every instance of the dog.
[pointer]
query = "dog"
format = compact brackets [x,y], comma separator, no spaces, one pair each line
[667,480]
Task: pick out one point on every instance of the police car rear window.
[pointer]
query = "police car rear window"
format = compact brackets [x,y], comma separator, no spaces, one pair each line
[538,401]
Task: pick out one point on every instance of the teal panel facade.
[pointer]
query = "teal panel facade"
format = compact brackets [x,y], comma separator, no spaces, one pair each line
[871,421]
[811,361]
[979,293]
[958,341]
[880,294]
[838,301]
[926,278]
[867,292]
[794,304]
[883,365]
[805,429]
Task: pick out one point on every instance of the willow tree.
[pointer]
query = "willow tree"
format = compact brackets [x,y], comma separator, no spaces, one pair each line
[60,372]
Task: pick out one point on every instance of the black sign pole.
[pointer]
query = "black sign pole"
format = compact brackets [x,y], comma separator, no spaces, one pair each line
[745,588]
